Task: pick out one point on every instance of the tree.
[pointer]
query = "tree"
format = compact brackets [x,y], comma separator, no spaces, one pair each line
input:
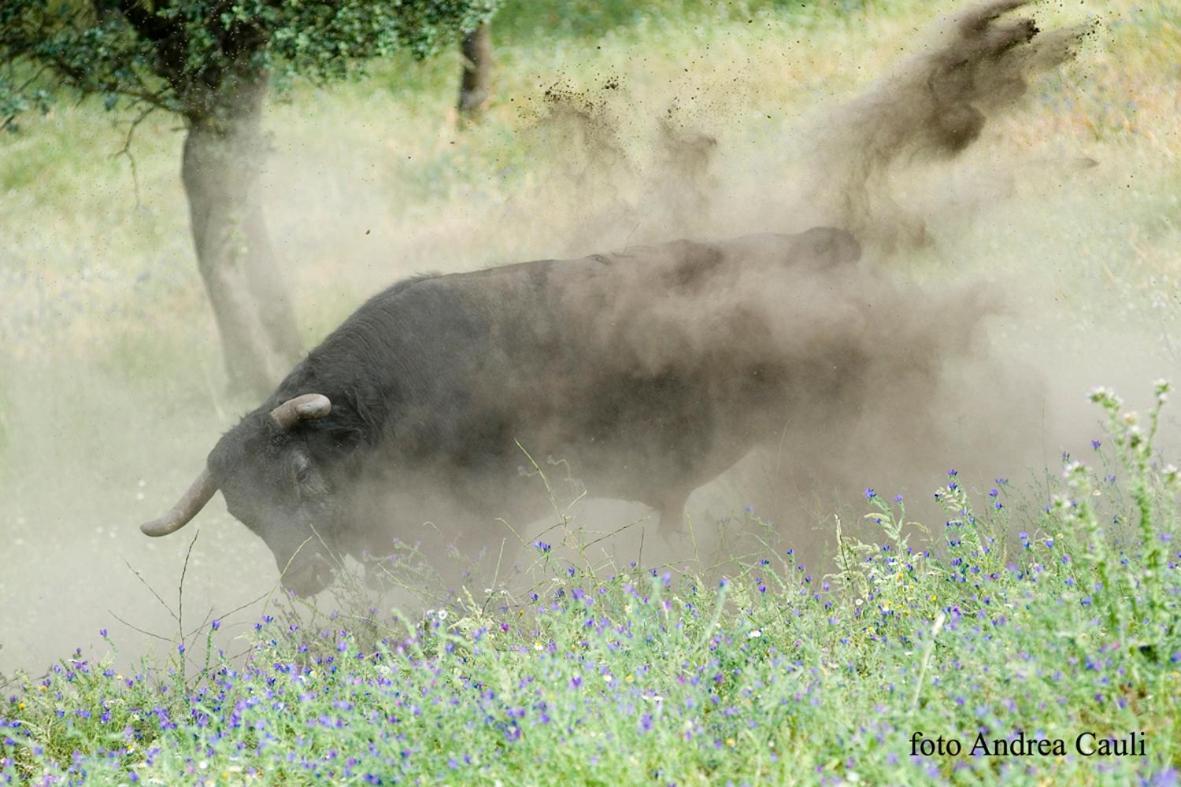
[475,84]
[212,63]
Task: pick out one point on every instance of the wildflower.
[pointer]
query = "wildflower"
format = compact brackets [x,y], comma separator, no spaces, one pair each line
[1105,397]
[542,546]
[215,625]
[754,634]
[870,494]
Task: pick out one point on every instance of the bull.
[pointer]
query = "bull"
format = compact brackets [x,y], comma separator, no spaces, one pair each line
[649,371]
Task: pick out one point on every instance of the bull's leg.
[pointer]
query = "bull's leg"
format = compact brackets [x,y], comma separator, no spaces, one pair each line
[672,514]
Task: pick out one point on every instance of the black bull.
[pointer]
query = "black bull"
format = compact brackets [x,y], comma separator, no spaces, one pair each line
[650,371]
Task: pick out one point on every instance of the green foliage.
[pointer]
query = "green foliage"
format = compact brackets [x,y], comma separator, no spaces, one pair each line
[178,55]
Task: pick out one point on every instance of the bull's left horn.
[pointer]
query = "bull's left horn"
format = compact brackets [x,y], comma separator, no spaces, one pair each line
[302,408]
[185,509]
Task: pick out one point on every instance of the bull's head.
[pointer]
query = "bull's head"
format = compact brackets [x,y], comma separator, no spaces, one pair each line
[265,470]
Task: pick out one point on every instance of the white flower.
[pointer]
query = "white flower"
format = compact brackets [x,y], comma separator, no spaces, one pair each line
[754,634]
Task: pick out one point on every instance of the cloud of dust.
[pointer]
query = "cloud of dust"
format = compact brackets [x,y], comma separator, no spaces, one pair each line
[921,384]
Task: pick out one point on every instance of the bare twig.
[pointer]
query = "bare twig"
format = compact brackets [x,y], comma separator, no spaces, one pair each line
[126,150]
[180,589]
[151,589]
[134,627]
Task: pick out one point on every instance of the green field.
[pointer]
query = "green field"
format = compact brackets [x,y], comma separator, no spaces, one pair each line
[1046,604]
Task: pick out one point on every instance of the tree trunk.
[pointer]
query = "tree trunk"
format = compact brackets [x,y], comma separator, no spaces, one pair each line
[475,86]
[223,152]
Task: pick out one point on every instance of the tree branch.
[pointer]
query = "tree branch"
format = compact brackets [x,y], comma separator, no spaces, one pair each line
[147,24]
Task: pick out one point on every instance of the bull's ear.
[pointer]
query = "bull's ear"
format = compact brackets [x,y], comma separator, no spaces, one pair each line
[306,407]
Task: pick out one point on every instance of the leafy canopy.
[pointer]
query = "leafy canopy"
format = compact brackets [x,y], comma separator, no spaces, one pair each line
[181,55]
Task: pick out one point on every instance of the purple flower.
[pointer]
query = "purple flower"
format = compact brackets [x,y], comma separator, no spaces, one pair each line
[870,494]
[1096,443]
[215,625]
[1165,778]
[542,546]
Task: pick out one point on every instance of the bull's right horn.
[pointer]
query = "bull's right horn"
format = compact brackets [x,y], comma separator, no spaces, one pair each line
[185,509]
[302,408]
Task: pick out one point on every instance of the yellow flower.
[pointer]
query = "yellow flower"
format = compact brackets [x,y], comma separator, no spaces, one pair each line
[730,742]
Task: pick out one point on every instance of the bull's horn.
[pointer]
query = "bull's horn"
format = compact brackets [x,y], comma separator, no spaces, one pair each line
[185,509]
[301,408]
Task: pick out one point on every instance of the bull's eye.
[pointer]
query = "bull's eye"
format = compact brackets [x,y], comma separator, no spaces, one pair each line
[302,468]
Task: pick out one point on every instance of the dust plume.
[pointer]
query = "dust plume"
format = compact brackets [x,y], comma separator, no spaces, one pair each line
[930,108]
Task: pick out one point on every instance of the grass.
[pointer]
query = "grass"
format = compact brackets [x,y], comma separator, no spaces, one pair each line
[110,395]
[774,675]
